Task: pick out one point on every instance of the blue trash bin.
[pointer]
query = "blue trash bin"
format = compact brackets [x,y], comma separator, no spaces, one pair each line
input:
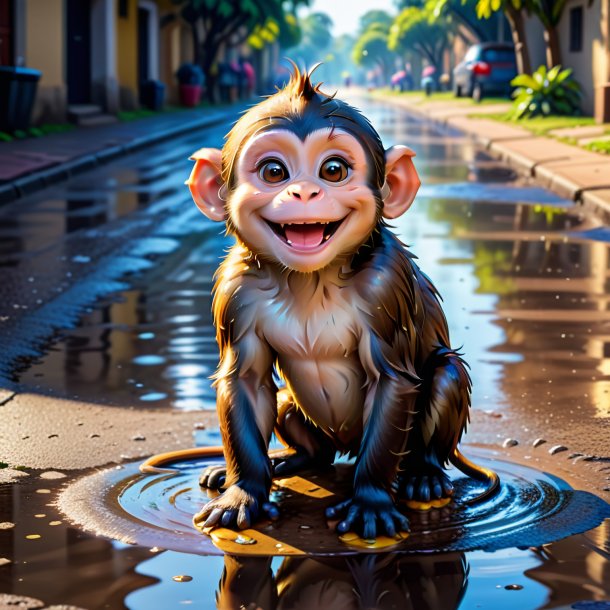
[17,94]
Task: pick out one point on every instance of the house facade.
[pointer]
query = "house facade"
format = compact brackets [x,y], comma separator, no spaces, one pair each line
[96,53]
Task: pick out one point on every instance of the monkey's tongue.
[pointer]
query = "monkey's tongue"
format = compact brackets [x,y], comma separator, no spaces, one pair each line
[305,236]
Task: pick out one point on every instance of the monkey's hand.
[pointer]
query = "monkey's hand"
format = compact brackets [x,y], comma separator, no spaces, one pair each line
[236,507]
[370,511]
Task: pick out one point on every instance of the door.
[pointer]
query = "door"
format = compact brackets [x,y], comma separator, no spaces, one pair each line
[79,51]
[6,33]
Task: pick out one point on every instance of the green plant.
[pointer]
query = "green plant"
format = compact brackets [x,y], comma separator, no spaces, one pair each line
[551,92]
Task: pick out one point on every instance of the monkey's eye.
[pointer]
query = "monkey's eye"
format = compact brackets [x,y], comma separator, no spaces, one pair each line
[273,171]
[334,169]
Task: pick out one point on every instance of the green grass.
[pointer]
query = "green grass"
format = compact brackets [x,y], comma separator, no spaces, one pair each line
[419,97]
[600,146]
[35,132]
[541,125]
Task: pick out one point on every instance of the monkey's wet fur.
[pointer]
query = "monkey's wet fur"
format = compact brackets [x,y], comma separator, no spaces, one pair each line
[318,292]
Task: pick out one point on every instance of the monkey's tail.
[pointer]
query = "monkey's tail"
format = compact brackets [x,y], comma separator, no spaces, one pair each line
[479,473]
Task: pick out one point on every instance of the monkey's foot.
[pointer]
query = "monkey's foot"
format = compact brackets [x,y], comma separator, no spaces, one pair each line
[428,486]
[369,512]
[213,477]
[235,507]
[300,460]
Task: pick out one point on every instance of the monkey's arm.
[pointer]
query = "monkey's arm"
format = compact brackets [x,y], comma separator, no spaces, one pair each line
[246,404]
[387,422]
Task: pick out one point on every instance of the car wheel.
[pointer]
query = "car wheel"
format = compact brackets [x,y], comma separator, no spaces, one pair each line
[457,90]
[477,92]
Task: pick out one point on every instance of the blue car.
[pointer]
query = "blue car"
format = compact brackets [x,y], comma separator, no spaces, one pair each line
[486,69]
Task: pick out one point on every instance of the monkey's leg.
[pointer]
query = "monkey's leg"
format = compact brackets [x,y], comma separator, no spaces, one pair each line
[442,417]
[313,448]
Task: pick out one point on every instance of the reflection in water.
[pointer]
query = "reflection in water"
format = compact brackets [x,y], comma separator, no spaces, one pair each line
[356,583]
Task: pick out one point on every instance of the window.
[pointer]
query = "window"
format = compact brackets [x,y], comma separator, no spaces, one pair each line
[576,23]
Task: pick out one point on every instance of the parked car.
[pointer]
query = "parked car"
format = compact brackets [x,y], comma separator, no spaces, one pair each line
[487,68]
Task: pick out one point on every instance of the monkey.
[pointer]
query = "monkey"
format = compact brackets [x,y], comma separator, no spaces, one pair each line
[329,333]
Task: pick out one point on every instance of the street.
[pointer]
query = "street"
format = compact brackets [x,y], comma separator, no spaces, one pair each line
[108,347]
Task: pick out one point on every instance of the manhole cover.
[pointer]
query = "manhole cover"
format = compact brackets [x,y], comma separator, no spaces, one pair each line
[532,508]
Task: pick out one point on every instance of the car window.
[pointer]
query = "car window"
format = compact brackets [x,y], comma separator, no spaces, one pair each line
[499,55]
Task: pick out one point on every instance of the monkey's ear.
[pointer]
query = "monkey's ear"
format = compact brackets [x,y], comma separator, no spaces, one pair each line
[402,179]
[205,182]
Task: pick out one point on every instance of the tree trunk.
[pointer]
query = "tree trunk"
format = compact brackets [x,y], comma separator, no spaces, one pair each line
[517,26]
[196,45]
[553,49]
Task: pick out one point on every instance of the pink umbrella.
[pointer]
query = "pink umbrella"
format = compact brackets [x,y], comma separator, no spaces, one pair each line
[428,71]
[249,72]
[396,78]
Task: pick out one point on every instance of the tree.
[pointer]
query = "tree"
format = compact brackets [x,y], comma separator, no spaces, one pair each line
[316,38]
[415,29]
[464,12]
[515,11]
[371,49]
[232,22]
[549,13]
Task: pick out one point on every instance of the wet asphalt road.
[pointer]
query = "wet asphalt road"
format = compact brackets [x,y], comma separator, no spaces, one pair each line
[105,297]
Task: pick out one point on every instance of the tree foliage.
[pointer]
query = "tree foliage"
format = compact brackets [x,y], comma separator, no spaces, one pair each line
[418,30]
[316,39]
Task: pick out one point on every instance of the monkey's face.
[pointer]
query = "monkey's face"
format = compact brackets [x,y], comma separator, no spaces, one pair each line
[305,203]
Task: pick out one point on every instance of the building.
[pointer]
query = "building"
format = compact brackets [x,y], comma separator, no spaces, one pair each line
[94,54]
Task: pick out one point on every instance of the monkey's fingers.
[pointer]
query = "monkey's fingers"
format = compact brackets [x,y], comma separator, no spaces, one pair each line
[333,512]
[353,514]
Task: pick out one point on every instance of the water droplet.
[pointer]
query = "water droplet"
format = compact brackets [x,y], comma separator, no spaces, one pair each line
[40,516]
[6,525]
[182,578]
[557,449]
[33,536]
[94,435]
[513,587]
[243,539]
[53,523]
[53,436]
[52,474]
[4,561]
[538,442]
[146,336]
[156,549]
[304,527]
[510,442]
[79,258]
[43,491]
[138,437]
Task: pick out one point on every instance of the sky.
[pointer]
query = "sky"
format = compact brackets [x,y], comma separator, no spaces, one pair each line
[346,13]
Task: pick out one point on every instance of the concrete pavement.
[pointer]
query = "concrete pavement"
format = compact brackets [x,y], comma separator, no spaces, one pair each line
[573,172]
[32,164]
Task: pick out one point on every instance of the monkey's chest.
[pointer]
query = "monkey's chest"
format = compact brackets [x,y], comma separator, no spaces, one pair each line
[318,357]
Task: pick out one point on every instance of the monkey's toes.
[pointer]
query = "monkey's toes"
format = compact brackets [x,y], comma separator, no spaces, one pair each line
[213,477]
[368,520]
[434,485]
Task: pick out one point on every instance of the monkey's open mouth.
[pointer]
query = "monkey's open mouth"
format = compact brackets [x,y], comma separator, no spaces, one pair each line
[305,236]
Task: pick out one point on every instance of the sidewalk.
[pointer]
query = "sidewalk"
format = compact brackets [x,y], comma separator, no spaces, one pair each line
[35,163]
[572,172]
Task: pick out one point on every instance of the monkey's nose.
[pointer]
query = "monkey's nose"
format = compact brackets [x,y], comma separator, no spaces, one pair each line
[303,192]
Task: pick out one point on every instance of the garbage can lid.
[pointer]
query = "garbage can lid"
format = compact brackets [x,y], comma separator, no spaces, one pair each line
[20,73]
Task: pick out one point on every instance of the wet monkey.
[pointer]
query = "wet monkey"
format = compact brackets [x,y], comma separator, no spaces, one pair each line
[318,292]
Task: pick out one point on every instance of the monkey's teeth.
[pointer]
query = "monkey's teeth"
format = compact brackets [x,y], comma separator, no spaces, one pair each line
[289,242]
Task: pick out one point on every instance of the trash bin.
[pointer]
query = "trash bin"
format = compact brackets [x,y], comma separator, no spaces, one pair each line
[17,94]
[152,94]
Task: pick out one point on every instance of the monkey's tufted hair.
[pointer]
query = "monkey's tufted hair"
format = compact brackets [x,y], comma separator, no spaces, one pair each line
[301,107]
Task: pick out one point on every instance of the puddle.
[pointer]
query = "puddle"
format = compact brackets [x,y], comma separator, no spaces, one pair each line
[531,509]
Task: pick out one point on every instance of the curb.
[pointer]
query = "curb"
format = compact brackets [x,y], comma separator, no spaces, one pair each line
[38,180]
[594,199]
